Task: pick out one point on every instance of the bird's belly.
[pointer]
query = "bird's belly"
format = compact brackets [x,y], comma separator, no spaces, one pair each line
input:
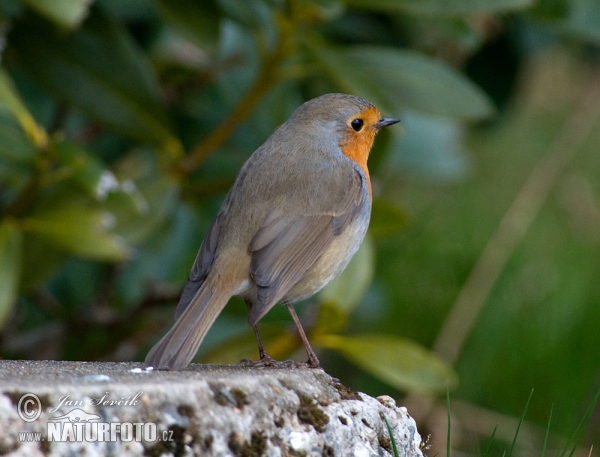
[333,261]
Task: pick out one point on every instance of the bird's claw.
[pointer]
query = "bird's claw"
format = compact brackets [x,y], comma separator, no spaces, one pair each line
[270,362]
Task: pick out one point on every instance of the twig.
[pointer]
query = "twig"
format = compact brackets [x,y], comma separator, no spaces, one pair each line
[269,75]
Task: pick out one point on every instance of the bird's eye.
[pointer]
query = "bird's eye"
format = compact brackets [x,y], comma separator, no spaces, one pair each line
[357,124]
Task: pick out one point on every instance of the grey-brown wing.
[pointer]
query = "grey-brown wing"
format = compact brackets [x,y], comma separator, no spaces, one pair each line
[284,248]
[204,260]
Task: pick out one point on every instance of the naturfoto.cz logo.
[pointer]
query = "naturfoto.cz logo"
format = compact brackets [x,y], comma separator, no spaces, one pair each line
[78,425]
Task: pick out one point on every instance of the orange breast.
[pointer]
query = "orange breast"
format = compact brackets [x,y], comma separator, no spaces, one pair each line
[358,151]
[357,145]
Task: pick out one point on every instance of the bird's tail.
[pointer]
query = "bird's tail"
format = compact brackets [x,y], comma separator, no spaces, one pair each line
[179,345]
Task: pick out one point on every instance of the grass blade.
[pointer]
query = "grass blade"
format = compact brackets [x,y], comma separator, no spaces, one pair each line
[547,431]
[512,446]
[393,441]
[449,427]
[487,448]
[578,433]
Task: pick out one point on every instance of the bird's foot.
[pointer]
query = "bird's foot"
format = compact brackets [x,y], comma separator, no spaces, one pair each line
[310,363]
[262,362]
[270,362]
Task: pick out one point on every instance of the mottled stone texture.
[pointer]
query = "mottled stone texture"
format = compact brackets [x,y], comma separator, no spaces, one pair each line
[204,410]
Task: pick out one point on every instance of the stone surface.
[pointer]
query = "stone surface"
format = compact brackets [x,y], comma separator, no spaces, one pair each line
[124,409]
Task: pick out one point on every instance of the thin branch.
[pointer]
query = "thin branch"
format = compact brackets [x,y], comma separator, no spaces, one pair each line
[267,78]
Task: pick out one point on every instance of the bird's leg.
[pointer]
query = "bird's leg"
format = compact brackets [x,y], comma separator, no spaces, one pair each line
[265,359]
[313,361]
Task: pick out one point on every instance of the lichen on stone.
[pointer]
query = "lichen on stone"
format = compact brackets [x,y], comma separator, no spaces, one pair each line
[310,413]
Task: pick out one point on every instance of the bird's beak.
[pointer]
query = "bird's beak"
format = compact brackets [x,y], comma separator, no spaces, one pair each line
[385,121]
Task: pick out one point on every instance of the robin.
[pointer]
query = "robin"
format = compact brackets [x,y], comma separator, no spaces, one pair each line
[294,217]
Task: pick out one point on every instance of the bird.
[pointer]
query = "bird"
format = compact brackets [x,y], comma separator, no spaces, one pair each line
[297,212]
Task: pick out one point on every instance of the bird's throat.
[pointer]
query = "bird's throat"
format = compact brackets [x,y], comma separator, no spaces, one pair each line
[357,149]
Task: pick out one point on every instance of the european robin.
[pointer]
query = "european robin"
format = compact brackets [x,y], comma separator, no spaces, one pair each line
[294,217]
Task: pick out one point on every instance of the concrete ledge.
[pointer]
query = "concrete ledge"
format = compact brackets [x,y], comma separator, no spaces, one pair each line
[122,409]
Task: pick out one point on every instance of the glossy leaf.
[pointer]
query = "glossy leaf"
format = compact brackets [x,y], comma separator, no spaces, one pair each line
[170,244]
[144,208]
[248,12]
[278,344]
[430,146]
[14,146]
[387,219]
[10,266]
[129,10]
[38,268]
[11,8]
[197,21]
[86,170]
[79,230]
[332,319]
[583,20]
[441,7]
[397,79]
[347,290]
[99,69]
[233,350]
[17,155]
[77,284]
[401,363]
[67,13]
[321,10]
[11,101]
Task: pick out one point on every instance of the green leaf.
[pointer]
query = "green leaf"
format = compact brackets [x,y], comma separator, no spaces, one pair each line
[250,13]
[551,9]
[99,69]
[146,208]
[10,8]
[17,155]
[14,146]
[66,13]
[320,10]
[38,268]
[401,363]
[130,10]
[241,342]
[347,290]
[445,7]
[10,266]
[583,20]
[431,146]
[197,21]
[332,319]
[11,101]
[77,284]
[396,79]
[387,219]
[82,231]
[85,170]
[166,254]
[241,346]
